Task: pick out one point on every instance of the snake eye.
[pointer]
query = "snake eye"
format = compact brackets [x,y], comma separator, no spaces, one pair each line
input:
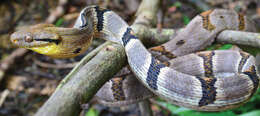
[28,39]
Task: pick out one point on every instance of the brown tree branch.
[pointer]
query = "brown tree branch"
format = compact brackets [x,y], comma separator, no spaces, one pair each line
[152,37]
[82,87]
[7,62]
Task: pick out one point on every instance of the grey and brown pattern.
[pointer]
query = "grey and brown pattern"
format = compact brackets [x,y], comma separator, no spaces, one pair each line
[117,88]
[206,20]
[133,91]
[241,22]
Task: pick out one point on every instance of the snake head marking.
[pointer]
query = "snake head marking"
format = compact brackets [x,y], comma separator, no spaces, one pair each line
[35,36]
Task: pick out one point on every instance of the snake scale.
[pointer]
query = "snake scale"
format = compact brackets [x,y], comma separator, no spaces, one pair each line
[206,81]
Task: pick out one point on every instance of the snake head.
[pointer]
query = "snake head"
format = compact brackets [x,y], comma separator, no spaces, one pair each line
[56,42]
[35,36]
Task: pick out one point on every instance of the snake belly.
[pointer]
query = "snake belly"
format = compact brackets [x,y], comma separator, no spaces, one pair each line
[205,81]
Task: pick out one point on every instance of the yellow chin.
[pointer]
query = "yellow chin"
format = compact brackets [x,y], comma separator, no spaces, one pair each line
[50,50]
[54,51]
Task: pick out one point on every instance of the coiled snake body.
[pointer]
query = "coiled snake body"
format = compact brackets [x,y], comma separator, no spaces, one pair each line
[208,81]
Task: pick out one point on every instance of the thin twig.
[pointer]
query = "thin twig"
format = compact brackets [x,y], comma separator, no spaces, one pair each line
[200,4]
[59,11]
[10,60]
[145,109]
[3,96]
[161,104]
[55,66]
[152,36]
[240,38]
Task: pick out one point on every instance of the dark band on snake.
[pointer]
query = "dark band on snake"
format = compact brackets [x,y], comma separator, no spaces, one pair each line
[241,19]
[77,51]
[117,89]
[100,17]
[242,61]
[251,73]
[153,73]
[57,41]
[208,65]
[208,91]
[127,36]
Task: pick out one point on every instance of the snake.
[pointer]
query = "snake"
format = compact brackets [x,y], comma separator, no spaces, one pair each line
[201,80]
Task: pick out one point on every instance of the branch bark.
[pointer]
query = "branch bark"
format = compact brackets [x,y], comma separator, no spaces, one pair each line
[82,63]
[83,86]
[240,38]
[152,37]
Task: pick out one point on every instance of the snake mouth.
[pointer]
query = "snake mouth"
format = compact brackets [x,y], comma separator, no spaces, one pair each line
[56,41]
[34,44]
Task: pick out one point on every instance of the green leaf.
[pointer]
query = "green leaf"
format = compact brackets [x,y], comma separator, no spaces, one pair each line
[196,113]
[91,112]
[212,47]
[186,19]
[219,47]
[59,22]
[252,113]
[174,109]
[225,47]
[177,4]
[250,49]
[181,111]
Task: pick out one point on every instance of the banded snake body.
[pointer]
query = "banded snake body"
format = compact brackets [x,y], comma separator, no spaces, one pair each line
[206,81]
